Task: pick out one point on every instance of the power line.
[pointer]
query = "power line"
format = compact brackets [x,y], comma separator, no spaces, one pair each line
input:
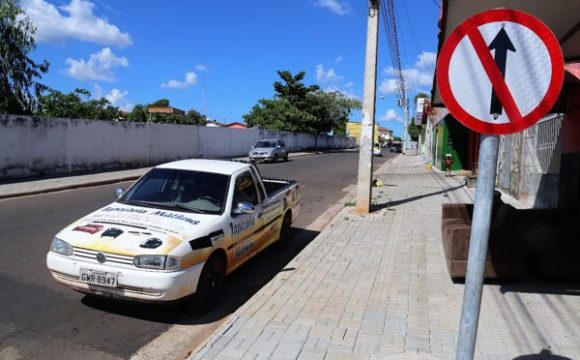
[437,3]
[411,26]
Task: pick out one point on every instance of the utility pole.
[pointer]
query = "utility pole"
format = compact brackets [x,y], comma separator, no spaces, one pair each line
[404,103]
[365,162]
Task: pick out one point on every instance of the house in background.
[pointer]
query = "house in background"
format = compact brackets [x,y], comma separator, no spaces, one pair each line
[353,129]
[385,135]
[236,125]
[213,123]
[165,110]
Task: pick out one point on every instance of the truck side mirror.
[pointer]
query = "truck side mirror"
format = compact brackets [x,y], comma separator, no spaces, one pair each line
[244,208]
[119,192]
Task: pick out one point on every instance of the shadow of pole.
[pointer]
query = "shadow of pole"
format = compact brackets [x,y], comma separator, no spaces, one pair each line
[545,354]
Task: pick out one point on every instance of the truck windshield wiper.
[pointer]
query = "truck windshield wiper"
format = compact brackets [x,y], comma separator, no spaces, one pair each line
[170,205]
[141,202]
[183,207]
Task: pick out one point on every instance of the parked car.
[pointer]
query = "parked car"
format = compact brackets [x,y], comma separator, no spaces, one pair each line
[377,151]
[268,150]
[179,230]
[396,147]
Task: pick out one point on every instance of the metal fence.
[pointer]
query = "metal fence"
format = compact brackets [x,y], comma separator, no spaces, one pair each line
[528,158]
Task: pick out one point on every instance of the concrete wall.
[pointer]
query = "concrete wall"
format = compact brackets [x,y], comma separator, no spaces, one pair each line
[31,146]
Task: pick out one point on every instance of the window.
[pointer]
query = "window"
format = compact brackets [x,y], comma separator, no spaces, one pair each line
[260,189]
[196,190]
[245,190]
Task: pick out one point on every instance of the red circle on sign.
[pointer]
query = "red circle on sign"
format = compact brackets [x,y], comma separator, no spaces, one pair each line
[471,24]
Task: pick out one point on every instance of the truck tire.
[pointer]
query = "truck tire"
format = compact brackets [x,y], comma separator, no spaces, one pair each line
[286,157]
[282,243]
[209,284]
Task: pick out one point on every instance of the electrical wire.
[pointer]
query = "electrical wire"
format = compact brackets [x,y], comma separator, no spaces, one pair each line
[411,26]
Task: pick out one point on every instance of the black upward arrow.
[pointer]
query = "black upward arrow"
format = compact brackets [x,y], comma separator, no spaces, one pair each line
[501,43]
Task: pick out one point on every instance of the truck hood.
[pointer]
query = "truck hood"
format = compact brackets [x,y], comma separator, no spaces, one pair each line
[131,230]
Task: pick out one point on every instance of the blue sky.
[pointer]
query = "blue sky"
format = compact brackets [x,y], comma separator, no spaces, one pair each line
[221,57]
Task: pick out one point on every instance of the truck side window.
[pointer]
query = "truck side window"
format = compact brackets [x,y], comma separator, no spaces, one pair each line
[245,190]
[260,189]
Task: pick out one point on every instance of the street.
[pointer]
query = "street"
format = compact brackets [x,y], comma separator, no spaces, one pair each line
[40,319]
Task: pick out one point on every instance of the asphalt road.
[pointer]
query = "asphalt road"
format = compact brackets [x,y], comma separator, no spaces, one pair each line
[39,319]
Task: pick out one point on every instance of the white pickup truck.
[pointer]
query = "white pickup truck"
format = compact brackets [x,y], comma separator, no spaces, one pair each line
[179,230]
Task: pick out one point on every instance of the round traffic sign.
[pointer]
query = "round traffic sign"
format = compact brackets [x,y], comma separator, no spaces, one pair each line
[500,71]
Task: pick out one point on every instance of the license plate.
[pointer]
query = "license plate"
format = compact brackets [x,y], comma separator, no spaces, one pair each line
[100,278]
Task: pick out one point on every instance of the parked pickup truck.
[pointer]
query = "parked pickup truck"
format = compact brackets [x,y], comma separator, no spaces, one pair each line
[179,230]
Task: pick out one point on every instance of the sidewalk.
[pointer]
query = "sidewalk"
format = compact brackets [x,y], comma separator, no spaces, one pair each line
[377,287]
[35,186]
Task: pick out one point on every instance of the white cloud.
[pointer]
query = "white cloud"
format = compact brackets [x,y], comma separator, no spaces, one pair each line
[391,115]
[426,59]
[419,77]
[335,6]
[99,67]
[324,76]
[330,81]
[201,68]
[338,59]
[75,20]
[116,97]
[190,80]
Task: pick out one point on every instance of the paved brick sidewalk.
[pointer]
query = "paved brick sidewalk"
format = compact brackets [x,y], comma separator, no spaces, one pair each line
[376,287]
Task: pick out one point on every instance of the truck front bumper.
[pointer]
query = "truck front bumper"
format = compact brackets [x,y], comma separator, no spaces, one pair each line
[133,284]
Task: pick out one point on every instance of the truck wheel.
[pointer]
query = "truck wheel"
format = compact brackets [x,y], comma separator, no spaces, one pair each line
[286,157]
[209,284]
[284,231]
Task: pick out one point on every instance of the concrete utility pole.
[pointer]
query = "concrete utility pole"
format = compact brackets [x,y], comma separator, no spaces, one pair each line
[365,162]
[405,105]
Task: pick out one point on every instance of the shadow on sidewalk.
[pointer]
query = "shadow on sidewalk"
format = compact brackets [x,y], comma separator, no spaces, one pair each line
[547,288]
[545,354]
[378,206]
[240,286]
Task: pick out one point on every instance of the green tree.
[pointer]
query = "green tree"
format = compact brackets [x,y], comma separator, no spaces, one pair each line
[138,114]
[18,73]
[161,103]
[292,88]
[331,111]
[413,130]
[397,138]
[301,108]
[279,114]
[76,105]
[194,117]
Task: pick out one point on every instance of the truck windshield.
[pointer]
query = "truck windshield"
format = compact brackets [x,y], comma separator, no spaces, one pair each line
[181,190]
[265,144]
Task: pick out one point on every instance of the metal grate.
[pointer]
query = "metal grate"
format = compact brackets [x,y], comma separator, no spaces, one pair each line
[525,156]
[87,254]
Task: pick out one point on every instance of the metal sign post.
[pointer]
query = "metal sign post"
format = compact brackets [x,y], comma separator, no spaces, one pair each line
[498,72]
[481,222]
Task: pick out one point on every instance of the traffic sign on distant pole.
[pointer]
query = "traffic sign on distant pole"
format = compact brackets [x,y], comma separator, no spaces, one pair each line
[499,93]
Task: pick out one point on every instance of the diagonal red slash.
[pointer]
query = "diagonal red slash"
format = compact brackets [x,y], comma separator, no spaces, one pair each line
[494,75]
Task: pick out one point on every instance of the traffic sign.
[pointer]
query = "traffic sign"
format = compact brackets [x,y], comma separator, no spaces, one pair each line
[500,71]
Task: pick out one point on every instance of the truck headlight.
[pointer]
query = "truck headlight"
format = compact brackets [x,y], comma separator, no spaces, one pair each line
[159,262]
[61,247]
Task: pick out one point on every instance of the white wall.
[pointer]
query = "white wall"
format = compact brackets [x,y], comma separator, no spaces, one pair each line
[31,146]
